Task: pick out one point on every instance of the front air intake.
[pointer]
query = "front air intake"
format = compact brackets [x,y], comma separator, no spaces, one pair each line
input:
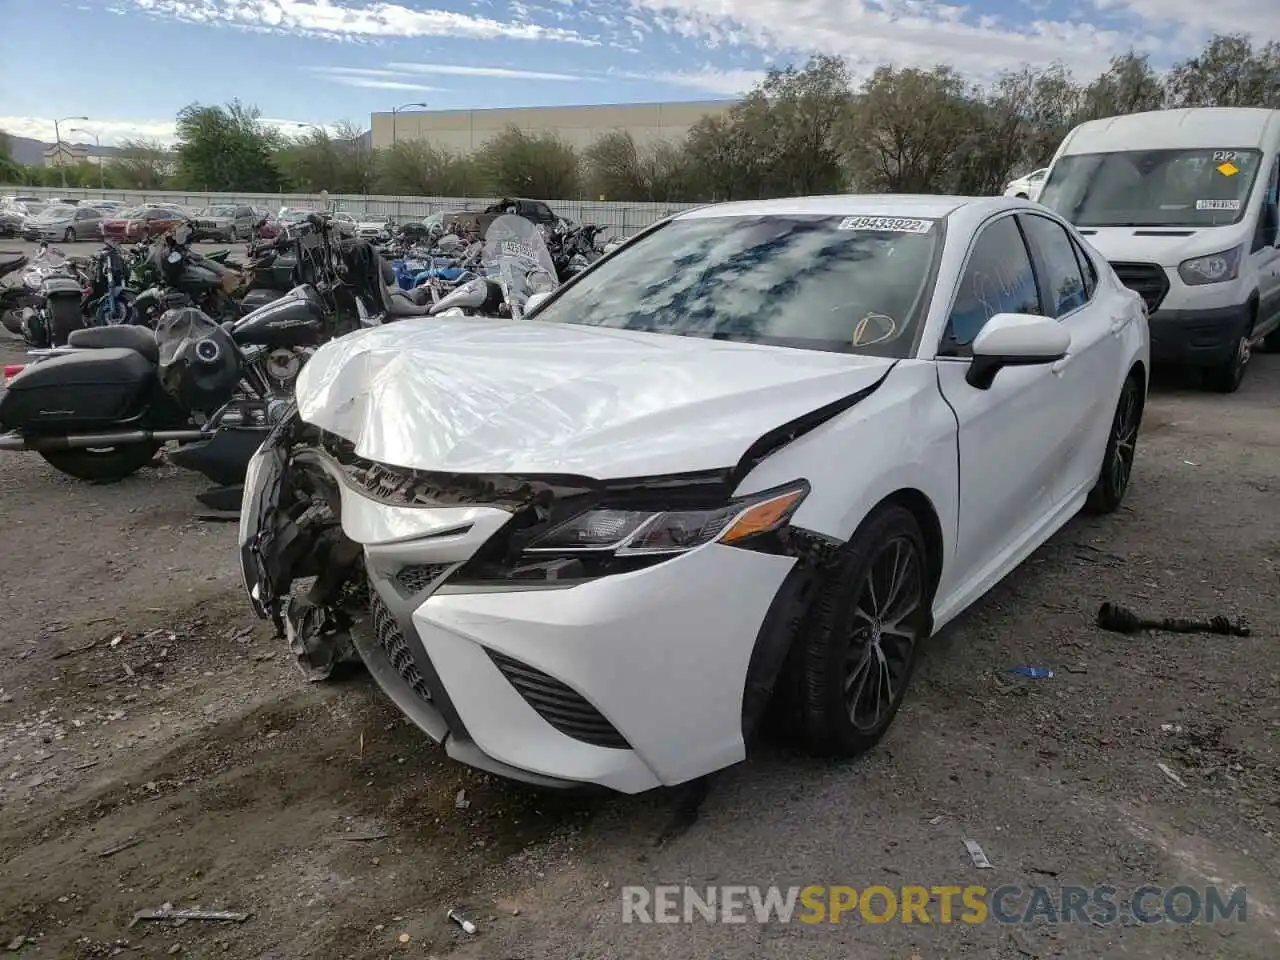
[562,707]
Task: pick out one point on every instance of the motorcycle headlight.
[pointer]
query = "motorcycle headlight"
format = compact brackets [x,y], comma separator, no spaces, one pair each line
[623,532]
[1212,268]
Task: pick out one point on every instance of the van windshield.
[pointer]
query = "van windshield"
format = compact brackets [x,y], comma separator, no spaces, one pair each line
[1152,188]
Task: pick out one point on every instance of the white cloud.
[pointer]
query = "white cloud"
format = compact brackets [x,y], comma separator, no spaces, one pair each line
[729,83]
[113,132]
[926,32]
[343,19]
[109,131]
[370,83]
[451,70]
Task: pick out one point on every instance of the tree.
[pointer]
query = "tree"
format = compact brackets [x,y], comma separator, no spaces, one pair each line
[616,169]
[1227,73]
[340,163]
[9,168]
[417,168]
[141,165]
[540,167]
[227,148]
[905,127]
[1129,85]
[801,117]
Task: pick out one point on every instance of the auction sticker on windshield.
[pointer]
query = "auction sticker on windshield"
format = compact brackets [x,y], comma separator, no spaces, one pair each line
[1217,204]
[886,224]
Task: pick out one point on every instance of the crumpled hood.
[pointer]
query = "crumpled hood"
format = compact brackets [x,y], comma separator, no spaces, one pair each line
[465,395]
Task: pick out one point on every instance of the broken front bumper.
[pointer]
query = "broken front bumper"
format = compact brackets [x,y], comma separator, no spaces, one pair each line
[629,681]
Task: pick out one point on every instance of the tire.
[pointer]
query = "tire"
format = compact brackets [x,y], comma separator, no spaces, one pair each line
[108,465]
[1228,375]
[64,317]
[233,235]
[1117,464]
[842,644]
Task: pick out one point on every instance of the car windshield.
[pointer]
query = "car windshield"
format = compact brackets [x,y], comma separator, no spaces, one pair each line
[133,213]
[374,218]
[1152,188]
[218,212]
[58,213]
[294,216]
[844,284]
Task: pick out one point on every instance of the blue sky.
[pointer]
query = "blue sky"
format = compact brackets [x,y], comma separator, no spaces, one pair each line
[133,64]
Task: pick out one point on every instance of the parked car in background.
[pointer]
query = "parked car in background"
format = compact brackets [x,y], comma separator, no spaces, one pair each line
[268,226]
[12,220]
[374,227]
[1028,187]
[65,223]
[63,201]
[345,223]
[141,223]
[534,210]
[228,222]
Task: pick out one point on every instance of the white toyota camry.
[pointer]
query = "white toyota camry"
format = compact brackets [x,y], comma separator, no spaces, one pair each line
[763,449]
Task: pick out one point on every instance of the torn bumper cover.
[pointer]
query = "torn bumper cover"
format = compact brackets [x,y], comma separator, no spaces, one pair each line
[556,630]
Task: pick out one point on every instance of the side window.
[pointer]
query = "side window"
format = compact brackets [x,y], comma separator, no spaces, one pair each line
[998,279]
[1058,265]
[1087,269]
[243,212]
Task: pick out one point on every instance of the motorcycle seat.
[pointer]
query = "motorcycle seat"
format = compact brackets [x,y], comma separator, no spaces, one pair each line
[401,305]
[11,261]
[125,336]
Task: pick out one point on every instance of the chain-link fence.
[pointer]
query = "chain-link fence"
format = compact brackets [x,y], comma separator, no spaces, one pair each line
[618,219]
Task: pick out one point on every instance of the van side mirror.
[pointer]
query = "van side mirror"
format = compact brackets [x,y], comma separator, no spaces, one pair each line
[1015,340]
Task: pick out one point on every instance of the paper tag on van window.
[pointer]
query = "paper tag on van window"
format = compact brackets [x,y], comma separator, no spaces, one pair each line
[886,224]
[1217,204]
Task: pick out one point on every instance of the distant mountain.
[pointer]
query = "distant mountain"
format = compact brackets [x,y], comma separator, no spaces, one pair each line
[31,152]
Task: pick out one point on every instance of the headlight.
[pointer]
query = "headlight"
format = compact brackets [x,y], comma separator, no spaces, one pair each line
[635,532]
[1213,268]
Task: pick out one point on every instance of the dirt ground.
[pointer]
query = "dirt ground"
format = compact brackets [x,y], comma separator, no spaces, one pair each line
[158,746]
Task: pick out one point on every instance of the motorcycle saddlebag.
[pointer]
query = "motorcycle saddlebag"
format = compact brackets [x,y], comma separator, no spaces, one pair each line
[89,388]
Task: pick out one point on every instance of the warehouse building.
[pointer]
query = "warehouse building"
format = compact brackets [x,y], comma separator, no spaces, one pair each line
[463,131]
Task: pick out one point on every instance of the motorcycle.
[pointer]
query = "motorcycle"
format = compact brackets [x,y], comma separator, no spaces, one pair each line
[57,286]
[101,409]
[516,265]
[14,299]
[209,283]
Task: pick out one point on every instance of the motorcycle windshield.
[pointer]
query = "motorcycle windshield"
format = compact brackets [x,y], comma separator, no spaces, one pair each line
[516,255]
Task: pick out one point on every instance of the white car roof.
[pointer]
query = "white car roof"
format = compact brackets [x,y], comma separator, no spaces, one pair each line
[927,206]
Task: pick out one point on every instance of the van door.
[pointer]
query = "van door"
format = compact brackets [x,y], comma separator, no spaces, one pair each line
[1265,254]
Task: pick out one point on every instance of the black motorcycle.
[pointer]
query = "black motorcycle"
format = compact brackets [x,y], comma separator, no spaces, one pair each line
[15,299]
[101,410]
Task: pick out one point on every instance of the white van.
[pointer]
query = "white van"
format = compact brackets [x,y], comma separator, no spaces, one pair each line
[1185,204]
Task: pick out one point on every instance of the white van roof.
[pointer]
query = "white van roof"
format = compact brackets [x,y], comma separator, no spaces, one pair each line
[1204,127]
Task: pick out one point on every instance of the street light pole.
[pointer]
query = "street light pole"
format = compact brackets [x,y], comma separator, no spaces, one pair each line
[57,149]
[97,142]
[396,110]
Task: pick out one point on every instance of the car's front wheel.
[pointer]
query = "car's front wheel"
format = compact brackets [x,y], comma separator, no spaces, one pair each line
[1117,464]
[855,654]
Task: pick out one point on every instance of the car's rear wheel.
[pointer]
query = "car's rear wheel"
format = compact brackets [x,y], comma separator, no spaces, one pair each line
[855,654]
[64,318]
[1117,464]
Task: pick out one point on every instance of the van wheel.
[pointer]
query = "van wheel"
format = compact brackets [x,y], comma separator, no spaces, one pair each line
[854,657]
[1228,375]
[105,465]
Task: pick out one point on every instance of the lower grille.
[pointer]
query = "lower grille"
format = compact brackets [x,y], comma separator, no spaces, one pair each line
[391,640]
[559,705]
[416,578]
[1148,280]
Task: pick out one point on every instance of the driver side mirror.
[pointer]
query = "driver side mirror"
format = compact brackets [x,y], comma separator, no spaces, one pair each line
[1015,340]
[535,301]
